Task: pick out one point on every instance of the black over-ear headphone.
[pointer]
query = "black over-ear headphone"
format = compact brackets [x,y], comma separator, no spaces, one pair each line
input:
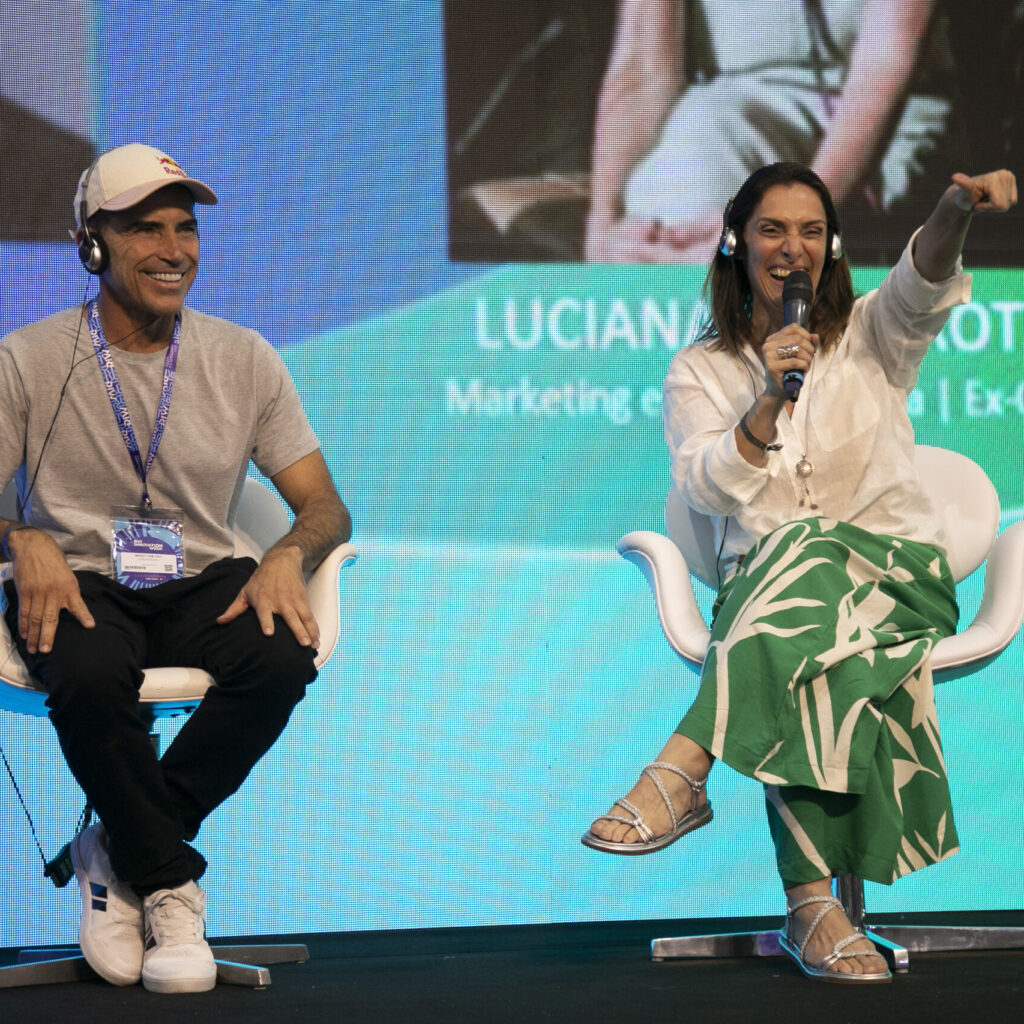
[92,250]
[729,241]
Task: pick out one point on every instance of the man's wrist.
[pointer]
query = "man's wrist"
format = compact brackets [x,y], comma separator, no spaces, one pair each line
[286,548]
[5,537]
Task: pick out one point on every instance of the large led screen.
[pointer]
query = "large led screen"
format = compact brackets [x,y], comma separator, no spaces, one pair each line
[408,209]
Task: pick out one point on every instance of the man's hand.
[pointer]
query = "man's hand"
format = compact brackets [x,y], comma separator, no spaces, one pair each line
[45,585]
[278,587]
[321,522]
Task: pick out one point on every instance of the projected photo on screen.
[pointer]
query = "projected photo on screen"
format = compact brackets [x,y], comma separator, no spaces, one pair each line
[618,132]
[43,116]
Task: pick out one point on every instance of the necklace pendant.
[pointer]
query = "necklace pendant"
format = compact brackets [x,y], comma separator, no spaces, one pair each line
[804,469]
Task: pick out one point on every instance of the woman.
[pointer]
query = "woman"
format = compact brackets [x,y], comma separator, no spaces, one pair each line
[698,93]
[835,585]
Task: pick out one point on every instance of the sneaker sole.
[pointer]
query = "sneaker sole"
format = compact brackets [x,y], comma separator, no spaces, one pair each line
[174,986]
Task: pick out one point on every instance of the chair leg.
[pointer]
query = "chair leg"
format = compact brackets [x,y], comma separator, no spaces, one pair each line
[236,965]
[743,944]
[243,965]
[894,942]
[850,892]
[896,955]
[727,944]
[46,967]
[949,939]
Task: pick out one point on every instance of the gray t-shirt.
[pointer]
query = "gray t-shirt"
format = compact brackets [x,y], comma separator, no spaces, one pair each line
[233,401]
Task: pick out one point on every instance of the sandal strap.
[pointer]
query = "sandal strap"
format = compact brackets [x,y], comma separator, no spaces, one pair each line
[697,785]
[636,820]
[830,903]
[808,900]
[667,766]
[839,950]
[841,945]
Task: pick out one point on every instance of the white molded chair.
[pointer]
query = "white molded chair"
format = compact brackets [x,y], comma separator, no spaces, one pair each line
[969,507]
[166,692]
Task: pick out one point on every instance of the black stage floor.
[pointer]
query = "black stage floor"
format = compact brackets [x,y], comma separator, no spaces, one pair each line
[587,973]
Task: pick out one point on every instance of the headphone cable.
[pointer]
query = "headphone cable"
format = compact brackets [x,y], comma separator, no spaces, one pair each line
[22,503]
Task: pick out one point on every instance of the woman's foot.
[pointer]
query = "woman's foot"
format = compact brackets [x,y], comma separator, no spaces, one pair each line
[668,801]
[860,956]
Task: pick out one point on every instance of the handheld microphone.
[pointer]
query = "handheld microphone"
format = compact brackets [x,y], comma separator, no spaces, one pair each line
[797,296]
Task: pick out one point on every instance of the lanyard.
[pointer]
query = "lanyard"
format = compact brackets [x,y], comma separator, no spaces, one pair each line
[120,407]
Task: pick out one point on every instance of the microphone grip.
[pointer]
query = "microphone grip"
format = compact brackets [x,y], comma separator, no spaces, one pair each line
[797,296]
[792,382]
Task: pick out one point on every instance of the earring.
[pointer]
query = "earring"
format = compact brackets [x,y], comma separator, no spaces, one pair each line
[728,242]
[837,248]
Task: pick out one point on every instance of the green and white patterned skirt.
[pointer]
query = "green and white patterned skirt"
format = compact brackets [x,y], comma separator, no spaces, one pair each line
[817,682]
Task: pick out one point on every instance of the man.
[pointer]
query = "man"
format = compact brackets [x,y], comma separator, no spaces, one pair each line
[129,424]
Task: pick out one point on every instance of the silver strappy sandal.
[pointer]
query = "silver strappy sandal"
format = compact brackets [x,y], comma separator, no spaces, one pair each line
[649,843]
[821,972]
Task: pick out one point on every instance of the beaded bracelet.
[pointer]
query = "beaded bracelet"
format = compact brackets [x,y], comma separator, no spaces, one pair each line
[754,441]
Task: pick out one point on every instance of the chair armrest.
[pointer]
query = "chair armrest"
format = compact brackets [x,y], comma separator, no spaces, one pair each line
[176,690]
[666,572]
[324,599]
[12,668]
[999,616]
[19,692]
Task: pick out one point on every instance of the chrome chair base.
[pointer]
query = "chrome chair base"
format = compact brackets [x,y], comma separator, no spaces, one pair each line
[894,942]
[236,965]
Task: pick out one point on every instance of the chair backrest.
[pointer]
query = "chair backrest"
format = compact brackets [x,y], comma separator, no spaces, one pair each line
[963,496]
[260,521]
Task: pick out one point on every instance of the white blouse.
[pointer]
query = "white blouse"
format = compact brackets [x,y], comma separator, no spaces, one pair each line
[851,421]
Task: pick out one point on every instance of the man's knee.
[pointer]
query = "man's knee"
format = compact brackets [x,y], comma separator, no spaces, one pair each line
[278,665]
[289,664]
[89,684]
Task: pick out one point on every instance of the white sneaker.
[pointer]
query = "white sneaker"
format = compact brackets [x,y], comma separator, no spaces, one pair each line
[110,932]
[177,958]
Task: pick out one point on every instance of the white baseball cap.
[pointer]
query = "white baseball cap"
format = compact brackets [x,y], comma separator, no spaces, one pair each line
[125,175]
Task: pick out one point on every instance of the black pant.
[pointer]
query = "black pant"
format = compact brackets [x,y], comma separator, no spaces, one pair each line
[151,808]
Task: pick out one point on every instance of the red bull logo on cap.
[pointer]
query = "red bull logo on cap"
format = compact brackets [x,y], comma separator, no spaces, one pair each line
[170,167]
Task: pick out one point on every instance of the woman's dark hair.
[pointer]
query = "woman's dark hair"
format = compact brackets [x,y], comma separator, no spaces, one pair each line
[727,288]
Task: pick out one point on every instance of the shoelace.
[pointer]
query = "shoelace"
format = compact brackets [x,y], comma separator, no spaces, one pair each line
[121,910]
[173,919]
